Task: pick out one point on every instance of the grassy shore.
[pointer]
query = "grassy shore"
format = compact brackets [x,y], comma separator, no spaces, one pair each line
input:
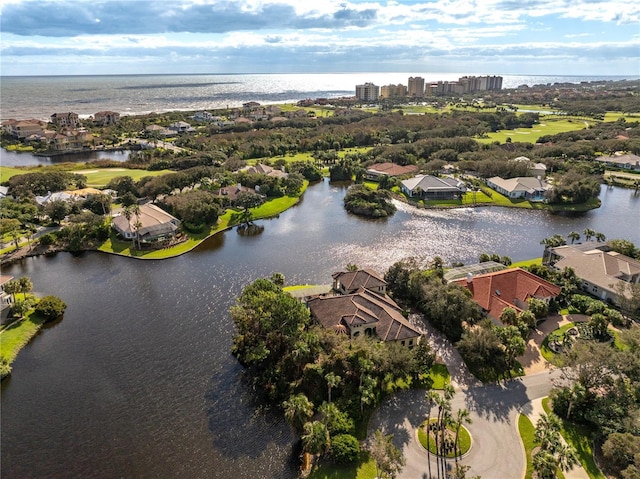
[227,220]
[527,434]
[364,468]
[16,335]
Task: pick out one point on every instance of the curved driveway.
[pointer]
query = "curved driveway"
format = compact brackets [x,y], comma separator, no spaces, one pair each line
[496,450]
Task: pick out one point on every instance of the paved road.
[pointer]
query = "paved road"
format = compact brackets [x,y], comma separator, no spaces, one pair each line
[496,451]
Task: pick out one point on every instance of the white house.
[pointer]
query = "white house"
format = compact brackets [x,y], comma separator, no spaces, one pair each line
[527,187]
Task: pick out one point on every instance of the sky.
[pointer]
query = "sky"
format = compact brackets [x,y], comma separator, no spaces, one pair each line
[528,37]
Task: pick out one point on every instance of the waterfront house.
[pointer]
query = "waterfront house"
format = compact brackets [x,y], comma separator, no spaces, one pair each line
[22,129]
[232,192]
[377,170]
[509,288]
[433,188]
[525,187]
[600,269]
[6,300]
[625,162]
[106,118]
[157,131]
[65,120]
[261,169]
[153,224]
[359,306]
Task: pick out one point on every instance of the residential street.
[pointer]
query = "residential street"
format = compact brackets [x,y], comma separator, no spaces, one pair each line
[496,451]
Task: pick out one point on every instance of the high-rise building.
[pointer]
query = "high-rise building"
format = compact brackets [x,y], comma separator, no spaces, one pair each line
[416,87]
[367,92]
[393,91]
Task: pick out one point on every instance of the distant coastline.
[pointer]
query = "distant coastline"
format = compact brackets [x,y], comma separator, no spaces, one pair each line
[24,97]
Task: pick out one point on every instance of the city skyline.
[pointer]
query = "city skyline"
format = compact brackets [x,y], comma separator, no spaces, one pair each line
[82,37]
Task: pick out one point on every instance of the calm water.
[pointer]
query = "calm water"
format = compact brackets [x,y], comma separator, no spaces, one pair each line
[40,97]
[13,158]
[137,379]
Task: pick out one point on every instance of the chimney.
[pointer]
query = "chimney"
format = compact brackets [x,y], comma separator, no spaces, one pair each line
[469,278]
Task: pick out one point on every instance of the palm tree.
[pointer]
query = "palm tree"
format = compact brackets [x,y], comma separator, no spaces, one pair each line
[554,454]
[573,236]
[297,411]
[600,237]
[316,438]
[25,285]
[462,416]
[332,381]
[588,234]
[135,209]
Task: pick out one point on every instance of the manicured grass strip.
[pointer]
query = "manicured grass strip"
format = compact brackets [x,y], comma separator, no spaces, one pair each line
[578,437]
[99,177]
[440,376]
[527,434]
[526,263]
[15,336]
[7,172]
[364,468]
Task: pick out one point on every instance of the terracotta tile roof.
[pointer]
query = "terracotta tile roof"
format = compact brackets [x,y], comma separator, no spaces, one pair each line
[500,289]
[393,169]
[363,278]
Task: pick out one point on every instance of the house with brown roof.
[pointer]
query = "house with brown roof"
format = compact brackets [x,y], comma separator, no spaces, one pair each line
[66,120]
[377,170]
[23,128]
[626,162]
[105,118]
[232,192]
[527,187]
[261,169]
[359,306]
[600,269]
[348,282]
[510,288]
[153,224]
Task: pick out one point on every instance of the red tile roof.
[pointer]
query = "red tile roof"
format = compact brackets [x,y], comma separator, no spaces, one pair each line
[393,169]
[498,290]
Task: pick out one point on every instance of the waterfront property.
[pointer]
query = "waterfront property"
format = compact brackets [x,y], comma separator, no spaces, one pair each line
[539,170]
[526,187]
[600,269]
[378,170]
[151,224]
[433,188]
[6,299]
[106,118]
[359,306]
[232,192]
[65,120]
[261,169]
[626,162]
[510,288]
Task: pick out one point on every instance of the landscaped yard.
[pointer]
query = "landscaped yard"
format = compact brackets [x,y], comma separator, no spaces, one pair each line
[548,126]
[365,468]
[15,336]
[527,434]
[578,437]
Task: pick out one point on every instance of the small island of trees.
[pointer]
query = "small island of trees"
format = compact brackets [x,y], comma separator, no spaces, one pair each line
[363,201]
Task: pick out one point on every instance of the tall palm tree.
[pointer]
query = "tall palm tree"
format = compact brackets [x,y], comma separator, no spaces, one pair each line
[462,416]
[297,411]
[332,381]
[316,438]
[25,285]
[600,237]
[573,236]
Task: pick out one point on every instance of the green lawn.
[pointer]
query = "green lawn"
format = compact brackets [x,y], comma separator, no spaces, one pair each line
[99,177]
[365,468]
[547,126]
[229,218]
[527,434]
[15,336]
[578,436]
[549,355]
[440,376]
[526,263]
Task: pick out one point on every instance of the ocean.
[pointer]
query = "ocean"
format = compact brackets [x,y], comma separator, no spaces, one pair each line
[41,96]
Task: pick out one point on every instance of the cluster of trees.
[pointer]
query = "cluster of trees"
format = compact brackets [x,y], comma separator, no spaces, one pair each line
[363,201]
[573,187]
[326,383]
[40,183]
[600,389]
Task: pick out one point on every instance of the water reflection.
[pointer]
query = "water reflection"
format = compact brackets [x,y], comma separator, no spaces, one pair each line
[137,380]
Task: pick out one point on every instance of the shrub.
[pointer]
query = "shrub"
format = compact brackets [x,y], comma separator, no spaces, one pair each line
[50,307]
[47,240]
[345,448]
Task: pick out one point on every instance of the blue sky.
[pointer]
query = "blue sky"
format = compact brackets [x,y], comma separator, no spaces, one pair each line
[546,37]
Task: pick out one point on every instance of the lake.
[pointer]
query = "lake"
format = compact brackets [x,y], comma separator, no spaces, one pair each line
[137,379]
